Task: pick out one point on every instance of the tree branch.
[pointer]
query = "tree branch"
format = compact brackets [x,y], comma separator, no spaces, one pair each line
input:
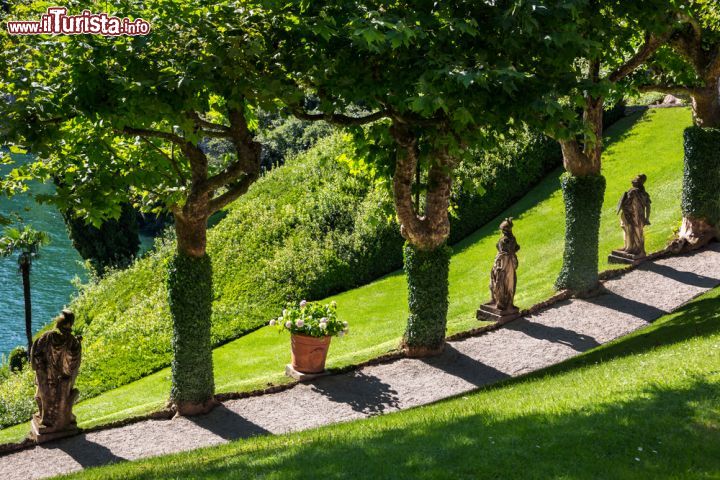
[651,45]
[340,119]
[194,116]
[232,193]
[667,89]
[173,162]
[144,132]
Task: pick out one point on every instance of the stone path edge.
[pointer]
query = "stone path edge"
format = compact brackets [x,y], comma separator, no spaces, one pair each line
[389,357]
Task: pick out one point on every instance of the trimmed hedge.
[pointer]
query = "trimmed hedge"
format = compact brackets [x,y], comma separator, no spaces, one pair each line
[583,198]
[190,296]
[427,276]
[701,179]
[486,187]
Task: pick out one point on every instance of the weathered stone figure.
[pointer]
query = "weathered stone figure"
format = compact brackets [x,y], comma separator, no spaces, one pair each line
[503,277]
[55,357]
[634,210]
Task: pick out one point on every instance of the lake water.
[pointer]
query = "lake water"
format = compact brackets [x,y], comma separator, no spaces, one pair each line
[52,273]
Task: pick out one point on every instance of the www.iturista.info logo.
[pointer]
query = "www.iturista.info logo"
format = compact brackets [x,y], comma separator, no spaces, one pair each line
[57,22]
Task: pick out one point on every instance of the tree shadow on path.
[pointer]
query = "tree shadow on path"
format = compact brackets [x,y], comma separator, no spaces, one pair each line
[688,278]
[618,303]
[362,392]
[577,341]
[457,364]
[227,424]
[85,452]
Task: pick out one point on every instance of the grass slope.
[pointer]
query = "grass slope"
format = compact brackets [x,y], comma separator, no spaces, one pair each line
[377,312]
[645,406]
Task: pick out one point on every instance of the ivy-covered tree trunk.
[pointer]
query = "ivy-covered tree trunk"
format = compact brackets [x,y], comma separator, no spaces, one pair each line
[701,184]
[426,255]
[583,192]
[583,198]
[190,298]
[427,276]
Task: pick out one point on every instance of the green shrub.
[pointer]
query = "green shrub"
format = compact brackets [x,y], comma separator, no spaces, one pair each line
[17,398]
[17,359]
[583,198]
[427,276]
[114,245]
[701,179]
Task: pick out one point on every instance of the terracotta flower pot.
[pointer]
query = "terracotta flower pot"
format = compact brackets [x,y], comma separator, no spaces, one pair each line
[309,353]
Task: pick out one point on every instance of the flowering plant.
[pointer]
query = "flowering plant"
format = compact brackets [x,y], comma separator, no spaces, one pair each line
[311,319]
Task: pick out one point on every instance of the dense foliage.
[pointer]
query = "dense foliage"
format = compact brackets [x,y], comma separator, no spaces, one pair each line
[112,245]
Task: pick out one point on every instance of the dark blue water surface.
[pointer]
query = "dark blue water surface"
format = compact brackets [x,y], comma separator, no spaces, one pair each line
[52,273]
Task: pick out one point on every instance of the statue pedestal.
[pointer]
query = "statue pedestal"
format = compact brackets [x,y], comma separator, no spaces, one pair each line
[620,256]
[488,311]
[41,434]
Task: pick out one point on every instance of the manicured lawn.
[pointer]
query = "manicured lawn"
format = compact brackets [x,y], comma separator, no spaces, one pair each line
[645,406]
[377,312]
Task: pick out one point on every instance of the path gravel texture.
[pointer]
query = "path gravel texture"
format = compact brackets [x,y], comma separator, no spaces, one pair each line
[527,344]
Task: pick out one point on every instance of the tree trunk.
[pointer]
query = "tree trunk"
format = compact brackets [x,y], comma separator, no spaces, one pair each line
[583,192]
[426,255]
[25,271]
[190,297]
[701,184]
[706,107]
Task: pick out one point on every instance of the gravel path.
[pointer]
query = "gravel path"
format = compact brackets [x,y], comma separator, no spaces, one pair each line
[527,344]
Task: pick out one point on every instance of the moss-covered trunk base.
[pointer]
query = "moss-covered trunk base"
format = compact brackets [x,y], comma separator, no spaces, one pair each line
[701,189]
[583,198]
[427,276]
[190,297]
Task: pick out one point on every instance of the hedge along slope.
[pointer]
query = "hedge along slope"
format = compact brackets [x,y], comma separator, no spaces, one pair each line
[306,230]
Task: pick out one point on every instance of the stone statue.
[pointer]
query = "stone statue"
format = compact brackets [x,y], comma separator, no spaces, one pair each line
[503,278]
[634,210]
[55,357]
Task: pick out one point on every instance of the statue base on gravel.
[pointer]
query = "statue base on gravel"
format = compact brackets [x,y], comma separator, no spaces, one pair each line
[488,311]
[41,434]
[621,256]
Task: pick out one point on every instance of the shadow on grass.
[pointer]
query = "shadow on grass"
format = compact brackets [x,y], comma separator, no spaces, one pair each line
[658,433]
